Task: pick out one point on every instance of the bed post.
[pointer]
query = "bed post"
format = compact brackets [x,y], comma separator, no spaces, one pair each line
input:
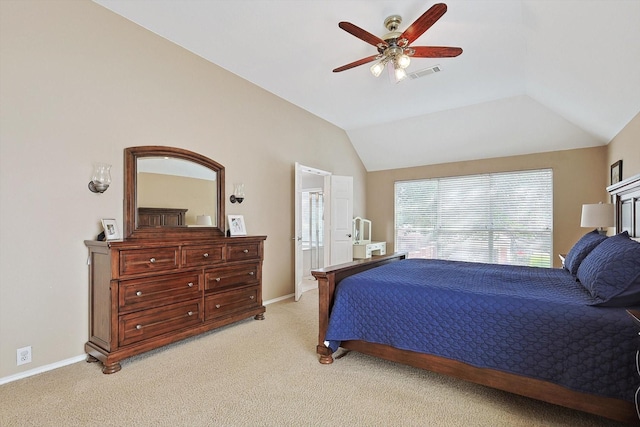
[326,288]
[328,278]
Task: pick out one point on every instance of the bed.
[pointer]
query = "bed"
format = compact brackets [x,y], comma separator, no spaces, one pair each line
[568,339]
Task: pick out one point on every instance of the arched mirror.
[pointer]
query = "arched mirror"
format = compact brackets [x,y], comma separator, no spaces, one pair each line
[172,193]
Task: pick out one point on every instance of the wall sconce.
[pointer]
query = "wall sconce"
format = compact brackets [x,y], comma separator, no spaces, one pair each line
[101,178]
[598,215]
[238,193]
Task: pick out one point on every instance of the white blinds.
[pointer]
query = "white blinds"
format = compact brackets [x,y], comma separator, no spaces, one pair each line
[503,218]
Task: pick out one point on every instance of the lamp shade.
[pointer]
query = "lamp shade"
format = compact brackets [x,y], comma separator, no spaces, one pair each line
[203,220]
[599,215]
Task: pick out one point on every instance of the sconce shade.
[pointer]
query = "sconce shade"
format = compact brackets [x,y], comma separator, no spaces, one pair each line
[238,194]
[204,220]
[599,215]
[101,178]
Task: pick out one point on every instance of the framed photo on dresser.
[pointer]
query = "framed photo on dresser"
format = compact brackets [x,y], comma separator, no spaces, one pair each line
[111,231]
[236,225]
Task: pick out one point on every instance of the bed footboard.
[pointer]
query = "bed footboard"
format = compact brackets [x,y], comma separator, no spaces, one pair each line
[328,278]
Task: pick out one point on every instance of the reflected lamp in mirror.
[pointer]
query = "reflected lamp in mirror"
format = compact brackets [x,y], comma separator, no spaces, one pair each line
[101,178]
[204,220]
[238,193]
[599,215]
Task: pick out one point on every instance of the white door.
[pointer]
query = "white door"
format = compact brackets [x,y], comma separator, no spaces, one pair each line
[341,209]
[304,177]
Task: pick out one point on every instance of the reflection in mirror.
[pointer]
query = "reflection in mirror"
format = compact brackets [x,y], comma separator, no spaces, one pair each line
[181,193]
[175,194]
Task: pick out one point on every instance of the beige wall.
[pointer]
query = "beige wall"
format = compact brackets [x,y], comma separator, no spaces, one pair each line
[578,177]
[78,84]
[626,147]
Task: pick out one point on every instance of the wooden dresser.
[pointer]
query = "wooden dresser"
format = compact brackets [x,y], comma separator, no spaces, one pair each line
[144,294]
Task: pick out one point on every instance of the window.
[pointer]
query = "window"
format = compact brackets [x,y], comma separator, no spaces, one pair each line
[503,218]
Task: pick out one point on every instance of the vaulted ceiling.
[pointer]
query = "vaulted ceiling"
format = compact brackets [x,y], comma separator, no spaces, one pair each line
[535,75]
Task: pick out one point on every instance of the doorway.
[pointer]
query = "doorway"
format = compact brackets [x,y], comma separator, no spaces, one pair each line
[311,225]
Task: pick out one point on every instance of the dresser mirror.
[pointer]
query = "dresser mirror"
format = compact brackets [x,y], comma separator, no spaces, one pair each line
[172,193]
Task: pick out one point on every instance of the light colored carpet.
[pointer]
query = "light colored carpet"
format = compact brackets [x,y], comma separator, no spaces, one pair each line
[266,373]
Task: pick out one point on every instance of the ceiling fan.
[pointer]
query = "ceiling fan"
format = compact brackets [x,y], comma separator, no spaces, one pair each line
[394,47]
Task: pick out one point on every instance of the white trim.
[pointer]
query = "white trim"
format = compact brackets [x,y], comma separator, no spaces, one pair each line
[83,357]
[42,369]
[271,301]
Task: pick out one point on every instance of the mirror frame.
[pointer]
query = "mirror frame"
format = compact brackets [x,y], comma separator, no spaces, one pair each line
[131,231]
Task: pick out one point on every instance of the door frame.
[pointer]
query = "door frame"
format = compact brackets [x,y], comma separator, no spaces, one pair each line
[300,169]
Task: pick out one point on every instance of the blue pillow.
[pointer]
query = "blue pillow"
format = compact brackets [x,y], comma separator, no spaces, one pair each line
[611,272]
[581,249]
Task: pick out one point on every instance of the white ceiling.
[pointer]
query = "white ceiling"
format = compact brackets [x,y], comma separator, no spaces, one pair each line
[535,76]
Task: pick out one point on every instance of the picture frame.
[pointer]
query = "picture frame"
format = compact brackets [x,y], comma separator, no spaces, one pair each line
[616,172]
[111,230]
[236,225]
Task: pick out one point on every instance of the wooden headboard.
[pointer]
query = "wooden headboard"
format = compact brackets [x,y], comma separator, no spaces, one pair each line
[626,197]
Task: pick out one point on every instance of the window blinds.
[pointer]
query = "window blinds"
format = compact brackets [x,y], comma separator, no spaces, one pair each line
[503,218]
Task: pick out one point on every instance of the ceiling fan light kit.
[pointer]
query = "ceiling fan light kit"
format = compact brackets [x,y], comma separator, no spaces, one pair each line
[393,48]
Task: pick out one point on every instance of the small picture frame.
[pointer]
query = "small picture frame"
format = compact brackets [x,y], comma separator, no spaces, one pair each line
[236,225]
[110,227]
[616,172]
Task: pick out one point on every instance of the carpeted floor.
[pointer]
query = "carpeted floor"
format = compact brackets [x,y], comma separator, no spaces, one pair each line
[266,373]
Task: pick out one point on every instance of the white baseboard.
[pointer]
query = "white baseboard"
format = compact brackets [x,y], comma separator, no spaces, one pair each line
[42,369]
[282,298]
[83,357]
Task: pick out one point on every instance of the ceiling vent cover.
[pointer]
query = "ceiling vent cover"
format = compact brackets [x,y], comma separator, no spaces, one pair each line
[425,72]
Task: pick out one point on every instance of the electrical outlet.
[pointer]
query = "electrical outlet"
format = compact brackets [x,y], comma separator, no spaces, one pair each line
[23,355]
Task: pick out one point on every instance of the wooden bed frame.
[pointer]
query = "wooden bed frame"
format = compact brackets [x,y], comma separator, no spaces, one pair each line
[626,196]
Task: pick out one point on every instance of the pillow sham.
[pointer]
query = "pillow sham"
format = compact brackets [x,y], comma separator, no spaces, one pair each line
[581,249]
[611,272]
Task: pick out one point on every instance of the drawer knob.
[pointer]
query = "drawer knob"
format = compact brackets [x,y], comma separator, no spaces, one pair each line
[152,260]
[217,305]
[251,273]
[217,279]
[190,313]
[138,326]
[190,284]
[251,297]
[139,293]
[246,251]
[206,255]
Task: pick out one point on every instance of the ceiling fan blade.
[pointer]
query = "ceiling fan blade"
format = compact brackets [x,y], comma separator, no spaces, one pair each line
[435,51]
[423,23]
[356,63]
[361,34]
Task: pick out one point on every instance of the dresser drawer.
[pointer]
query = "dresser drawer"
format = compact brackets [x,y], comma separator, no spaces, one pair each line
[151,292]
[220,278]
[242,251]
[146,324]
[195,256]
[224,303]
[138,261]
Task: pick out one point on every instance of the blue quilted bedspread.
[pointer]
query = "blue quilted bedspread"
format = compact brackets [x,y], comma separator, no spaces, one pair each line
[534,322]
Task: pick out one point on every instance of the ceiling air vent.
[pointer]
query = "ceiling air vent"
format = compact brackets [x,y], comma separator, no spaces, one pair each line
[425,72]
